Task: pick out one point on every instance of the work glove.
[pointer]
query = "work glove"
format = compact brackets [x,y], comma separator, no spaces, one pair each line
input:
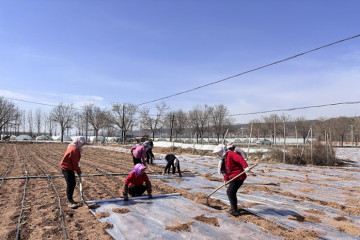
[149,195]
[79,173]
[247,169]
[126,198]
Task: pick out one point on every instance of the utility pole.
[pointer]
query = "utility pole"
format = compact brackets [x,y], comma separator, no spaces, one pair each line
[123,124]
[311,136]
[87,123]
[284,142]
[172,118]
[352,136]
[275,131]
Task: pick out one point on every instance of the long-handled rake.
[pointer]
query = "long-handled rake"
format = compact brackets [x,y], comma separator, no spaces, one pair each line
[92,206]
[207,197]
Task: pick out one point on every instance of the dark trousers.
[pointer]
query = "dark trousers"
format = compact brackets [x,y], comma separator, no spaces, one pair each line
[136,190]
[70,182]
[171,164]
[149,156]
[136,160]
[231,192]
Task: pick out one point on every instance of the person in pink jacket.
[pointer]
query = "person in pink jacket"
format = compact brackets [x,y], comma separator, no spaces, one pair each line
[138,152]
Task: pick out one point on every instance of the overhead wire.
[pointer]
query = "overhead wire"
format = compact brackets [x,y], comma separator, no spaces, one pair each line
[252,70]
[225,79]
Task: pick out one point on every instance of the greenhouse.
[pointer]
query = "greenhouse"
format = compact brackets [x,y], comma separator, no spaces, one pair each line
[65,138]
[23,137]
[212,140]
[189,140]
[162,139]
[98,139]
[237,140]
[44,138]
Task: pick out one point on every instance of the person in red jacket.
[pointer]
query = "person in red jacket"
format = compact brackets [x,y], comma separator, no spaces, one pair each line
[134,183]
[231,164]
[69,164]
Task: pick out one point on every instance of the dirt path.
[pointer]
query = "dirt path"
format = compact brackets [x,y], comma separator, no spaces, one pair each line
[11,194]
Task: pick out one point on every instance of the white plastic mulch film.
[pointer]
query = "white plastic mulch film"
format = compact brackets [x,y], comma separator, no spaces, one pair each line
[326,185]
[148,219]
[23,137]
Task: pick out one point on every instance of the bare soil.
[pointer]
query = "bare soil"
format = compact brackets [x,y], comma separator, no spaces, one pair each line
[121,210]
[213,221]
[102,215]
[180,227]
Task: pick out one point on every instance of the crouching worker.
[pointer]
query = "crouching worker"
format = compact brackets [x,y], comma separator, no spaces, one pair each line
[173,162]
[138,152]
[134,183]
[69,164]
[230,165]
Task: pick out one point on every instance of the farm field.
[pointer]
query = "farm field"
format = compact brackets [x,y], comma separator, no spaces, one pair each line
[283,201]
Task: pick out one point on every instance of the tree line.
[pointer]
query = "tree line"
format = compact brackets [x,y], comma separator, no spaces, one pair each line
[341,129]
[201,121]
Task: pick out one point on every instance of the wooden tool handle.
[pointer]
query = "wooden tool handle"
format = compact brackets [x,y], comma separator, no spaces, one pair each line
[230,180]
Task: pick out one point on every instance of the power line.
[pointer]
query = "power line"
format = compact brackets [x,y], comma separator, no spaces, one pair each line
[292,109]
[252,70]
[230,115]
[45,104]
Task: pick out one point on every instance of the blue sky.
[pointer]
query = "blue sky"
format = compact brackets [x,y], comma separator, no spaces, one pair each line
[138,51]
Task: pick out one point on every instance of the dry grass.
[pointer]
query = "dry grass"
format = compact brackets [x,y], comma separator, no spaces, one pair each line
[293,156]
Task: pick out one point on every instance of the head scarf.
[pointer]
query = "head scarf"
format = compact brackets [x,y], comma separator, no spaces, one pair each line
[78,143]
[137,169]
[221,150]
[176,162]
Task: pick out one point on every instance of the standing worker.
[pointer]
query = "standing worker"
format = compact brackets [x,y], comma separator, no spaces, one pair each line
[237,150]
[231,165]
[134,183]
[138,152]
[149,154]
[69,164]
[173,162]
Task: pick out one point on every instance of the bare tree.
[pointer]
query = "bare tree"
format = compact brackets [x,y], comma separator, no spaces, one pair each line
[96,117]
[151,123]
[356,124]
[257,127]
[341,126]
[38,120]
[268,123]
[281,122]
[23,120]
[30,121]
[79,122]
[322,124]
[302,126]
[8,112]
[63,114]
[179,120]
[50,124]
[219,119]
[122,116]
[198,118]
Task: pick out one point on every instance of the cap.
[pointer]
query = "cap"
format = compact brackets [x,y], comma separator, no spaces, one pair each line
[230,145]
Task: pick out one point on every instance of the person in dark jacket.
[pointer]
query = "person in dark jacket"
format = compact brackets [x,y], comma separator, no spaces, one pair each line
[173,162]
[134,183]
[69,164]
[149,154]
[231,164]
